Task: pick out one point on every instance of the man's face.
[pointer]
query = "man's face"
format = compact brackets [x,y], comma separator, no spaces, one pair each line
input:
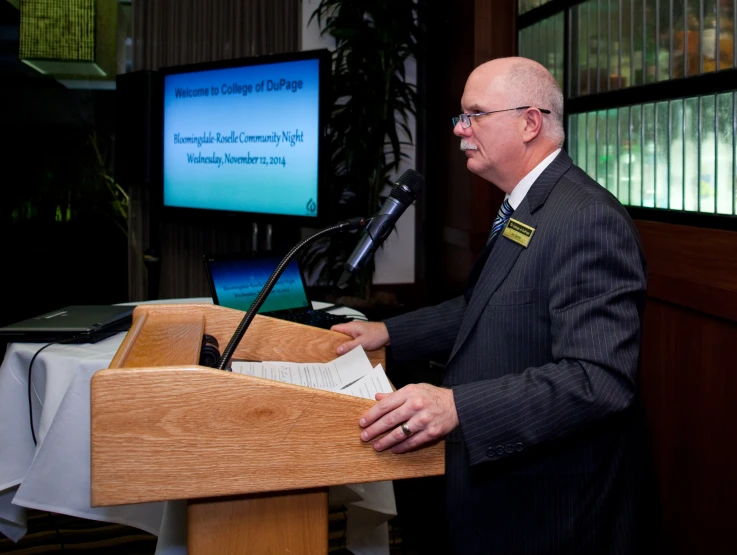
[491,142]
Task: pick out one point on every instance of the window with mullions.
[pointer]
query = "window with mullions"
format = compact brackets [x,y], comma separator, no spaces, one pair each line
[651,144]
[543,42]
[525,6]
[622,43]
[677,154]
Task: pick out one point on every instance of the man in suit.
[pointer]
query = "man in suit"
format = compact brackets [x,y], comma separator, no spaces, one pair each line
[539,404]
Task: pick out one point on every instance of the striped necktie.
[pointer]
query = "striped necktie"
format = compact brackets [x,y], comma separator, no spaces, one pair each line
[505,211]
[502,217]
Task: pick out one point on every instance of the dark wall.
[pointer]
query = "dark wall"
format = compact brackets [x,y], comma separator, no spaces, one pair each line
[60,236]
[689,380]
[62,243]
[459,205]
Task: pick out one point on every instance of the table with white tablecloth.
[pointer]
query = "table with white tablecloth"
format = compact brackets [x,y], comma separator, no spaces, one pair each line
[55,474]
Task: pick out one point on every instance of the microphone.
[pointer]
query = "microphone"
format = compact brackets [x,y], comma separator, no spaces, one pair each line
[403,194]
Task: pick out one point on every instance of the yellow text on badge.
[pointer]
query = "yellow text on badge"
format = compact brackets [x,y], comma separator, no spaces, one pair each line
[518,232]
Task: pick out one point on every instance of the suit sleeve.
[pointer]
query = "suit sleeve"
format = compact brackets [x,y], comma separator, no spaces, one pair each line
[427,332]
[596,294]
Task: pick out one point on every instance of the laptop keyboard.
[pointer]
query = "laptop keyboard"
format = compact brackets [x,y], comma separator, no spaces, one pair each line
[317,318]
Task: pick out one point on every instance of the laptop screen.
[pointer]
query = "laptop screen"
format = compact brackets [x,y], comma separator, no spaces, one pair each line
[235,282]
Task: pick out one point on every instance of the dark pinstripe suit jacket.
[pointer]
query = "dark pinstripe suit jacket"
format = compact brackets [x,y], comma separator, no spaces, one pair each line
[543,366]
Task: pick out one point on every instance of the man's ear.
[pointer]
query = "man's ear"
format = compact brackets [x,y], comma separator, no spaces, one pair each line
[533,124]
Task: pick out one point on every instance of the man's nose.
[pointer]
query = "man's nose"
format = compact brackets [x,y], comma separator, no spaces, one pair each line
[460,131]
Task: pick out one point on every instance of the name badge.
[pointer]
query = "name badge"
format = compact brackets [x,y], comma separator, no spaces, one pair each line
[518,232]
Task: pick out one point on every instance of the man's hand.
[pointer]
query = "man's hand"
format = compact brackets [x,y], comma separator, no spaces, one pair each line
[372,335]
[429,412]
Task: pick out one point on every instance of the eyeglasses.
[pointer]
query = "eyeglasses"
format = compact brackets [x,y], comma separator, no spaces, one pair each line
[465,119]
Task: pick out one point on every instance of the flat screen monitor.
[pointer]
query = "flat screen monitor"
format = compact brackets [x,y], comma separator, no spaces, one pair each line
[247,136]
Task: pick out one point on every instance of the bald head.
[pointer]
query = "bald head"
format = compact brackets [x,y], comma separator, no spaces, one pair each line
[501,143]
[524,82]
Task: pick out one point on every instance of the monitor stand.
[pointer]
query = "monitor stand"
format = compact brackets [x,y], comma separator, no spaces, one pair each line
[268,238]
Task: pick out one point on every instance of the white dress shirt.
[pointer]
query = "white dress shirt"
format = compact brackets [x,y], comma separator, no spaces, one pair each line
[519,192]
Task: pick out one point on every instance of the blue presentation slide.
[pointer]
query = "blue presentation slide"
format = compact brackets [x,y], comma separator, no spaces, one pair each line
[243,139]
[237,282]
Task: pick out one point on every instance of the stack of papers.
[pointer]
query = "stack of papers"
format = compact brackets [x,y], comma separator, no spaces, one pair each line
[349,374]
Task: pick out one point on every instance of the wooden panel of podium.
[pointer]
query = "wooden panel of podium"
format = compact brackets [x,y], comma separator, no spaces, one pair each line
[254,457]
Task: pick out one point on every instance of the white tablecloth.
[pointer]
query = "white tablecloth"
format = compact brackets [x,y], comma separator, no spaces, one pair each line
[55,475]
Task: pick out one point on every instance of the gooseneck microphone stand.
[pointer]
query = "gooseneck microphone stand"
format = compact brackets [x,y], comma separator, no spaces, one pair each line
[347,225]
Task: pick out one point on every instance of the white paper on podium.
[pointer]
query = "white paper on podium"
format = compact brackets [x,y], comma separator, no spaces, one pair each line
[369,385]
[337,375]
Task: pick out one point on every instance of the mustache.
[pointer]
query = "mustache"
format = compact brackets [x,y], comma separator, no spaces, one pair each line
[466,145]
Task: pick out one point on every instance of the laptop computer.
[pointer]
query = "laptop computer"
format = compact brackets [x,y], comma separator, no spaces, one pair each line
[72,324]
[236,280]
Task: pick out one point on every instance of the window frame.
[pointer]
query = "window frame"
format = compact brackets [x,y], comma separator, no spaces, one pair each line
[712,83]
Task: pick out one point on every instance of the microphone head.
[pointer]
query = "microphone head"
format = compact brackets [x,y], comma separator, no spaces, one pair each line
[407,187]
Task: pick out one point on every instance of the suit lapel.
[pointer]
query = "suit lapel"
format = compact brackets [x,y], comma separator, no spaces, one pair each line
[501,260]
[505,252]
[538,193]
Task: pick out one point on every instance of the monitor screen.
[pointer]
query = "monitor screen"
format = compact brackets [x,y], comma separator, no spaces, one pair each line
[235,283]
[246,136]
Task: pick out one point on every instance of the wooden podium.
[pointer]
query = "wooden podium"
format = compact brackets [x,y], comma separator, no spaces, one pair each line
[254,457]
